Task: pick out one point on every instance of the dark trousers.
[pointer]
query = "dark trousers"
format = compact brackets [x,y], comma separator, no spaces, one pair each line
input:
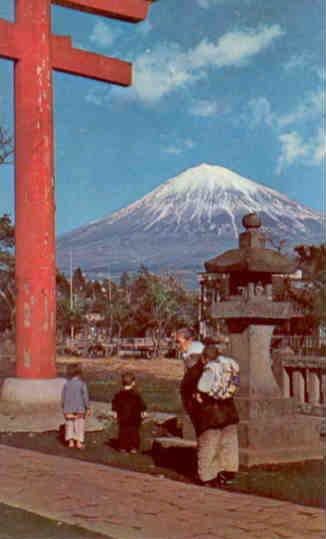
[129,437]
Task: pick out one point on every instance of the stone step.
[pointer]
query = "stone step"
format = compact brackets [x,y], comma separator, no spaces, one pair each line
[255,457]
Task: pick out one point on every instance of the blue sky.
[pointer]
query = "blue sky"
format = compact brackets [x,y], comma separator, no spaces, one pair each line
[236,83]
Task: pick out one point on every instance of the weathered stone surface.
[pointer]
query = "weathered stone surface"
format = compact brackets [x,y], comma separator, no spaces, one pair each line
[263,409]
[129,505]
[251,348]
[32,391]
[289,431]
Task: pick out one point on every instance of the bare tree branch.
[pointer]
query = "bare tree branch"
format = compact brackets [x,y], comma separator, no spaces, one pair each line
[6,147]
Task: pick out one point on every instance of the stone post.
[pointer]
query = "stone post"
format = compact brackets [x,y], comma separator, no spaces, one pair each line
[251,348]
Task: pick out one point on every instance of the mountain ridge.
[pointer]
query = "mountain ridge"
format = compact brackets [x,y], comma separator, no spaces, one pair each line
[184,221]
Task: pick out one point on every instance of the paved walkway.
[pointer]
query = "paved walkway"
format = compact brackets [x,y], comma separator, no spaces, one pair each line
[129,505]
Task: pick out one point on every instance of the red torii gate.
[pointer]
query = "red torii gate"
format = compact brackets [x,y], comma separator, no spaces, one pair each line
[36,51]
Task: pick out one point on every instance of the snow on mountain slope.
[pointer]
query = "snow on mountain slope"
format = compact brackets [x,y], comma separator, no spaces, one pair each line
[186,220]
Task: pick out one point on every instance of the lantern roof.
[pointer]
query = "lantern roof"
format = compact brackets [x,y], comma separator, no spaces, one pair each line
[252,255]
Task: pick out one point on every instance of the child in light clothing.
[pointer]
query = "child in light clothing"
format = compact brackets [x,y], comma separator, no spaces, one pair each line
[75,405]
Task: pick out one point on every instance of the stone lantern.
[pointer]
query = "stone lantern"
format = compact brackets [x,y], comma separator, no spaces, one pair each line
[239,289]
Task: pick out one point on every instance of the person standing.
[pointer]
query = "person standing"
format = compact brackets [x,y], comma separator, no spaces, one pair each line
[215,419]
[75,405]
[130,409]
[190,349]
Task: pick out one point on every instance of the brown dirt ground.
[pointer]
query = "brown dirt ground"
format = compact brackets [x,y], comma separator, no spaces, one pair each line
[168,369]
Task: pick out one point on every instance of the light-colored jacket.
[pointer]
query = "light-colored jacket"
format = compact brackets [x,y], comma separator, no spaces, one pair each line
[74,397]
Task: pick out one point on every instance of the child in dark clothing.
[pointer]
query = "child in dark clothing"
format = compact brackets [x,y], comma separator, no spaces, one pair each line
[130,409]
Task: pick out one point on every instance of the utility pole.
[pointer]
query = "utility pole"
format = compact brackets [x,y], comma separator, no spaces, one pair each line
[110,300]
[71,298]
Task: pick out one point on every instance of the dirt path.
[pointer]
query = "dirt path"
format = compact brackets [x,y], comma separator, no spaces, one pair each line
[169,369]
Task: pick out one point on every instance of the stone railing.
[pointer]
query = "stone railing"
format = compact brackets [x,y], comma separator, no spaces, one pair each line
[303,378]
[306,345]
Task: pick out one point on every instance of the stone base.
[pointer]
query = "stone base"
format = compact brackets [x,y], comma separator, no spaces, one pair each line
[270,432]
[166,442]
[265,408]
[281,455]
[289,431]
[35,418]
[27,392]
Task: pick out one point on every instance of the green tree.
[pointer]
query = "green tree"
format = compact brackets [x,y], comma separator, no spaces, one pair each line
[310,298]
[120,315]
[162,306]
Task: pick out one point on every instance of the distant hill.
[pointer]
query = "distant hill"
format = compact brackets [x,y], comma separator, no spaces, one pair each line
[182,223]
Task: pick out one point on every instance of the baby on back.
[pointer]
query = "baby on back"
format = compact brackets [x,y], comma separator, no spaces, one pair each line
[221,375]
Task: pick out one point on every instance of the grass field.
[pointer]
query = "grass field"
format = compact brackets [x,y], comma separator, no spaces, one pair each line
[157,380]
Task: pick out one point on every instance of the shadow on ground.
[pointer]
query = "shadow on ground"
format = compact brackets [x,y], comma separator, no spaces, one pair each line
[300,483]
[16,523]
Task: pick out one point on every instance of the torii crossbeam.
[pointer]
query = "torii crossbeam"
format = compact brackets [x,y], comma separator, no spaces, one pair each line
[36,52]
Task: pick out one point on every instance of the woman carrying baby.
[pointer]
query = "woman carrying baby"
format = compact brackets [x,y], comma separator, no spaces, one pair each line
[216,416]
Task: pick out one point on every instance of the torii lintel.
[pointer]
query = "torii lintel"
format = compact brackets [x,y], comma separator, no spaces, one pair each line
[76,61]
[36,51]
[68,59]
[128,10]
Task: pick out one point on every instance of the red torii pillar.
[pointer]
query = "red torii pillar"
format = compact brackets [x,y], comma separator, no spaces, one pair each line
[36,51]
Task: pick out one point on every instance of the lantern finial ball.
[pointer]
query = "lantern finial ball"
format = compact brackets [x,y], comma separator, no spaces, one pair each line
[251,220]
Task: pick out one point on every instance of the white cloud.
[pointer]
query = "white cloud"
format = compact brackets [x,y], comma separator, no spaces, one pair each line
[204,108]
[295,146]
[144,27]
[167,67]
[98,96]
[260,112]
[206,4]
[163,70]
[318,148]
[295,149]
[292,148]
[180,146]
[173,150]
[235,48]
[189,143]
[79,45]
[94,99]
[102,35]
[301,60]
[311,107]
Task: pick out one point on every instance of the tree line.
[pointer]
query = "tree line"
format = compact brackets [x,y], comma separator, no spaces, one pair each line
[139,304]
[144,303]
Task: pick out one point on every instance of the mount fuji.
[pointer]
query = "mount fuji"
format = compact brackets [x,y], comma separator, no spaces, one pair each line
[183,222]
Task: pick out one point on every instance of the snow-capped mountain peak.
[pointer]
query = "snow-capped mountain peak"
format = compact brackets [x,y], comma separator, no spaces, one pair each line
[186,220]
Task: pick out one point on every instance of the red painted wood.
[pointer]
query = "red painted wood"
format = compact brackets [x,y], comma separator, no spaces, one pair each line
[9,46]
[35,206]
[87,64]
[36,52]
[128,10]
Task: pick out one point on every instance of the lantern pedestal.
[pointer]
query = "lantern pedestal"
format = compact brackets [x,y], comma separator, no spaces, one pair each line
[27,392]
